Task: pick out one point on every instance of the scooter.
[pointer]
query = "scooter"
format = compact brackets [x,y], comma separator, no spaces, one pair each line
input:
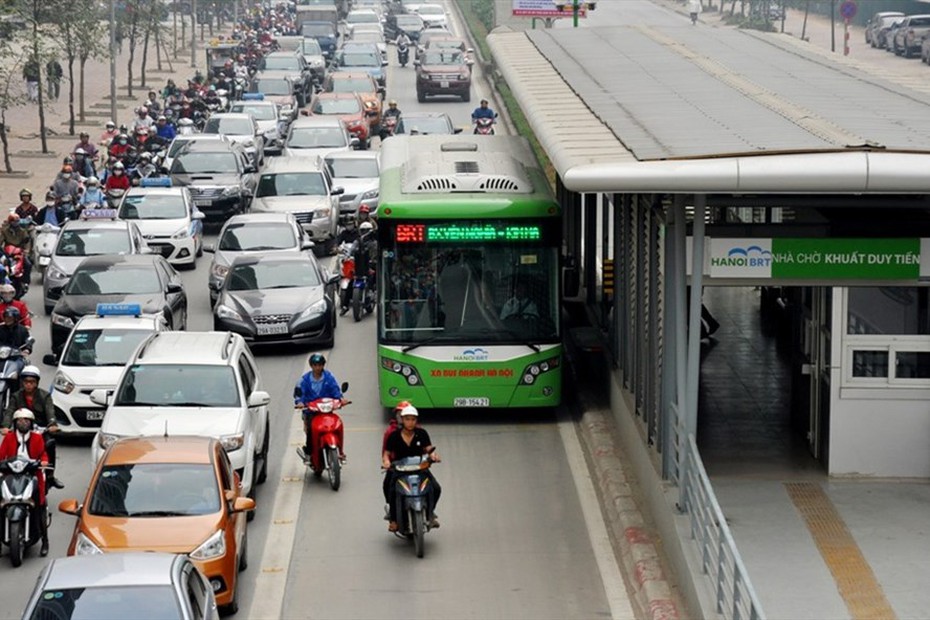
[46,240]
[485,126]
[388,126]
[347,276]
[16,269]
[413,496]
[21,514]
[403,54]
[325,437]
[12,362]
[114,196]
[363,296]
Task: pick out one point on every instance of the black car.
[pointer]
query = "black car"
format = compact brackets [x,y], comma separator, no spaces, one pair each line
[410,23]
[426,123]
[219,175]
[277,299]
[144,279]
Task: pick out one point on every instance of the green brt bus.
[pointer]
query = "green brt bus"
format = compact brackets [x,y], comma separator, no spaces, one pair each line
[468,274]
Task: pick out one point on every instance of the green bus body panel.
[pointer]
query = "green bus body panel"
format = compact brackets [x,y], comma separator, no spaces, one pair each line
[441,382]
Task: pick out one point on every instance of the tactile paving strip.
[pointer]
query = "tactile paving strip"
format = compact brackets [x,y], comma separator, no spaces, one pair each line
[854,578]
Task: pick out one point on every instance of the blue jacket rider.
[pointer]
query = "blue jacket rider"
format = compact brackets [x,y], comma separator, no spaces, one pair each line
[483,111]
[317,383]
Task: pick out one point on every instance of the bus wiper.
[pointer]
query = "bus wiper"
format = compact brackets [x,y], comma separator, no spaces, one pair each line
[517,337]
[431,339]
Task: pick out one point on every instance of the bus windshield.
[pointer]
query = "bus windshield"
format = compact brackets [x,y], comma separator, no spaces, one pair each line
[488,292]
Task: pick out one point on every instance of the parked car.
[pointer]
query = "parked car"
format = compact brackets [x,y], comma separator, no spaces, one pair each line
[908,36]
[443,72]
[878,21]
[170,493]
[265,234]
[278,299]
[355,114]
[152,585]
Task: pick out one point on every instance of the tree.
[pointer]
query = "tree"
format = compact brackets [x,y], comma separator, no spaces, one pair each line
[11,91]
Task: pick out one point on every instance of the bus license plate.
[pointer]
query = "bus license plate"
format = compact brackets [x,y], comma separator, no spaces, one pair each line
[272,329]
[471,401]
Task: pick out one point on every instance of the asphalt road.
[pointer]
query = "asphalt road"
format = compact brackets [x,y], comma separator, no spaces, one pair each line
[516,536]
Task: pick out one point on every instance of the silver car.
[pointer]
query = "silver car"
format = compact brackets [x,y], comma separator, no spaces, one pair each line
[254,233]
[357,172]
[318,136]
[272,123]
[241,129]
[122,585]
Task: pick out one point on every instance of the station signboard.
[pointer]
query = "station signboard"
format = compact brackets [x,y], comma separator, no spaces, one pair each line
[546,8]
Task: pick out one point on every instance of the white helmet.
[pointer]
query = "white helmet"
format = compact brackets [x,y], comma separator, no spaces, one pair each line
[409,410]
[24,413]
[366,227]
[30,371]
[7,293]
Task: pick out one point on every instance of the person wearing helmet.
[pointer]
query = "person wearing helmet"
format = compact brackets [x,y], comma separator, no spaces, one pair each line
[93,197]
[17,232]
[120,147]
[12,333]
[25,440]
[142,119]
[315,383]
[84,143]
[118,179]
[108,136]
[51,212]
[39,402]
[66,184]
[82,163]
[482,111]
[8,300]
[409,440]
[26,208]
[165,130]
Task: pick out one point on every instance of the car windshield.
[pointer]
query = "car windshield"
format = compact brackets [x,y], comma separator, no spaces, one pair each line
[352,167]
[205,163]
[887,21]
[409,22]
[270,275]
[155,489]
[256,236]
[135,280]
[272,86]
[153,207]
[351,85]
[177,145]
[430,9]
[423,125]
[102,347]
[108,603]
[229,126]
[317,138]
[367,36]
[93,242]
[317,30]
[335,106]
[280,63]
[258,112]
[447,56]
[310,47]
[362,17]
[360,59]
[178,385]
[291,184]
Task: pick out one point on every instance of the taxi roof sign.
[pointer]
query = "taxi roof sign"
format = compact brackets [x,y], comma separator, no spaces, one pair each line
[119,310]
[253,96]
[155,182]
[98,214]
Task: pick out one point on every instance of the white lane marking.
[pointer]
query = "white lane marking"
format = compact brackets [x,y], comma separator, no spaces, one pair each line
[614,586]
[271,581]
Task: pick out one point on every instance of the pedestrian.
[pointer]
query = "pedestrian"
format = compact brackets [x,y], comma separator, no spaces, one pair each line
[54,74]
[694,10]
[31,73]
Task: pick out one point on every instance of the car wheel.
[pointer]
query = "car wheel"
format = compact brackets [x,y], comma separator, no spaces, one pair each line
[48,310]
[200,245]
[244,552]
[263,455]
[233,606]
[421,96]
[467,96]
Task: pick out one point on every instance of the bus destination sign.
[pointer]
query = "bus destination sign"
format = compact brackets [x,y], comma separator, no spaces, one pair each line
[458,232]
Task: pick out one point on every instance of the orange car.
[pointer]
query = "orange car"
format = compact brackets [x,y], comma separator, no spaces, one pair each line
[355,115]
[171,494]
[361,83]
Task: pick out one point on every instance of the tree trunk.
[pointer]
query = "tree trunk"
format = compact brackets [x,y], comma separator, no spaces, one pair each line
[71,94]
[132,50]
[158,48]
[7,164]
[81,110]
[35,52]
[159,42]
[145,58]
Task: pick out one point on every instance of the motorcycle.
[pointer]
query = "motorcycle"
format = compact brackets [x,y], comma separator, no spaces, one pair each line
[388,126]
[114,196]
[403,54]
[363,295]
[413,495]
[347,276]
[16,269]
[12,362]
[46,239]
[325,437]
[485,126]
[21,513]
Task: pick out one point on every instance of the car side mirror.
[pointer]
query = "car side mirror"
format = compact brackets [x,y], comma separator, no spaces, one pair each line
[173,288]
[353,141]
[49,359]
[259,398]
[70,507]
[337,191]
[242,504]
[147,250]
[333,279]
[344,387]
[100,396]
[457,130]
[209,247]
[416,63]
[307,245]
[384,63]
[198,215]
[251,168]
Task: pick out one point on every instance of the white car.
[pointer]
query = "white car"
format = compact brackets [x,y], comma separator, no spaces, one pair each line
[358,173]
[192,383]
[167,218]
[317,136]
[433,15]
[268,116]
[93,357]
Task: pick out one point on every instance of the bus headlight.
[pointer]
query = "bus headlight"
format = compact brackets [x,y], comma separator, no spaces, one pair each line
[532,372]
[408,372]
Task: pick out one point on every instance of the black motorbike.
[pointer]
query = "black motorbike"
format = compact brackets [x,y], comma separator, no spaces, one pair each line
[403,54]
[414,498]
[21,512]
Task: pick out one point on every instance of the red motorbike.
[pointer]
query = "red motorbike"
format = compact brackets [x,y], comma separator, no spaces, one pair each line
[347,277]
[485,126]
[325,437]
[388,126]
[15,260]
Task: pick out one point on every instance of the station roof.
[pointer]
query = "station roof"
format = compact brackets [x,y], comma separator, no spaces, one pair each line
[669,107]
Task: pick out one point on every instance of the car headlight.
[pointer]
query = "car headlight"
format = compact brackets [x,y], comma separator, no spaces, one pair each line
[463,76]
[55,273]
[231,443]
[225,312]
[213,547]
[62,320]
[322,212]
[105,440]
[313,310]
[182,233]
[219,271]
[62,383]
[232,190]
[369,195]
[84,546]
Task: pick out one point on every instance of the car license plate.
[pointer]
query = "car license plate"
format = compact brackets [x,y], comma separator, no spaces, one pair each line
[95,415]
[471,401]
[444,84]
[272,329]
[45,261]
[203,203]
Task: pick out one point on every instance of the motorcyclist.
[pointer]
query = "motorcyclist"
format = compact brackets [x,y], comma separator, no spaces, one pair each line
[26,208]
[120,147]
[66,184]
[152,104]
[409,440]
[164,129]
[119,179]
[93,196]
[40,403]
[403,45]
[8,300]
[142,119]
[67,209]
[51,213]
[12,333]
[34,446]
[82,163]
[89,148]
[108,136]
[315,383]
[482,111]
[17,232]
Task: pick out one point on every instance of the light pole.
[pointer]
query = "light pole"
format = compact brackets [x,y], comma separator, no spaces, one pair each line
[113,60]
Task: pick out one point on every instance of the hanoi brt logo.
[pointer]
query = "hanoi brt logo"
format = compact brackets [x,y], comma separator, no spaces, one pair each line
[472,355]
[740,258]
